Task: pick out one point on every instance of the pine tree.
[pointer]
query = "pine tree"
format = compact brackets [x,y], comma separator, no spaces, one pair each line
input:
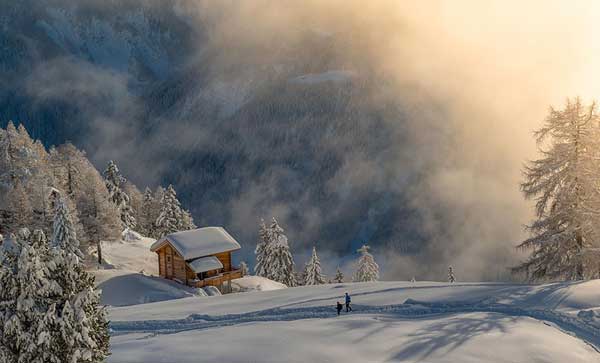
[187,221]
[171,214]
[10,251]
[135,201]
[312,270]
[279,258]
[451,277]
[64,234]
[147,215]
[367,269]
[563,184]
[339,276]
[262,251]
[81,327]
[114,184]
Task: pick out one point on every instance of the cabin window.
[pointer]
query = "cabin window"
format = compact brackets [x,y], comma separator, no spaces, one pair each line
[168,258]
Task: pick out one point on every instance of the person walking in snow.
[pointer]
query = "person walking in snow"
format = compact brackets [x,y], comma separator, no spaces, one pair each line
[348,300]
[339,307]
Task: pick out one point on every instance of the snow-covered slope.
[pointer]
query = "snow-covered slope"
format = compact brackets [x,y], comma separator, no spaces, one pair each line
[391,321]
[255,283]
[129,276]
[131,256]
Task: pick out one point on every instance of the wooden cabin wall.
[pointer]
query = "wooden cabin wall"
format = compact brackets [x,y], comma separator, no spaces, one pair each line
[161,262]
[179,267]
[225,259]
[191,275]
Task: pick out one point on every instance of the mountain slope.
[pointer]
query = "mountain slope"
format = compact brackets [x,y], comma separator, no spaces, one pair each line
[393,321]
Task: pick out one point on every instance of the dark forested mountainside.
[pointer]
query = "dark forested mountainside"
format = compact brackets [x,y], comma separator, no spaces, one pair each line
[297,127]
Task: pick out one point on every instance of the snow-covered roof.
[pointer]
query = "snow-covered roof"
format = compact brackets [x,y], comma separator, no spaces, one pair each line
[199,242]
[204,264]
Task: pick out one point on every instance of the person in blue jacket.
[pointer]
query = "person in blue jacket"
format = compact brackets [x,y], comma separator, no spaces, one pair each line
[348,300]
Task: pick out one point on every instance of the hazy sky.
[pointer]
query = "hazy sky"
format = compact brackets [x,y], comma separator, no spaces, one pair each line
[492,69]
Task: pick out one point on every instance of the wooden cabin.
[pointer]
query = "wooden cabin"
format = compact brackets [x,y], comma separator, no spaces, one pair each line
[199,257]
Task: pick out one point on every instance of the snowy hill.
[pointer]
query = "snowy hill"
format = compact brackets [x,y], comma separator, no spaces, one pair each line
[391,321]
[130,277]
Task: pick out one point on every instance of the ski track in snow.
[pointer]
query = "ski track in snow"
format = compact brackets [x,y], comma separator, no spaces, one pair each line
[567,323]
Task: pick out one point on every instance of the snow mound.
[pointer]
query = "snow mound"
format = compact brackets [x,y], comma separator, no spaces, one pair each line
[129,235]
[211,291]
[123,288]
[255,283]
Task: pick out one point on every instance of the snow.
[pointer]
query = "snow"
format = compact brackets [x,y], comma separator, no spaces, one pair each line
[391,321]
[132,256]
[211,291]
[474,337]
[200,242]
[129,235]
[130,276]
[204,264]
[122,288]
[335,76]
[255,283]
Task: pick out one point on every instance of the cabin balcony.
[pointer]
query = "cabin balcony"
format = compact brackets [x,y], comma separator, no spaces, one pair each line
[219,279]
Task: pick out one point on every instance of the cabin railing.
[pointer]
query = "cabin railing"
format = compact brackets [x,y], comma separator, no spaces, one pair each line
[219,279]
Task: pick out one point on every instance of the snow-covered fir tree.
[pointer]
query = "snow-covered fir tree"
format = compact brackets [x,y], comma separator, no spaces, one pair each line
[312,270]
[367,269]
[81,328]
[339,276]
[171,217]
[63,229]
[36,289]
[262,251]
[114,184]
[147,216]
[563,182]
[279,258]
[451,277]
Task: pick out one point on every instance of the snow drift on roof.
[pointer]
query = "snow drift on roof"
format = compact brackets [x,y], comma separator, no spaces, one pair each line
[199,242]
[204,264]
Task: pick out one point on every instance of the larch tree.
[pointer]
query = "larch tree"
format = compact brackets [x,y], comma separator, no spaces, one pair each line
[20,206]
[312,270]
[114,184]
[367,269]
[563,184]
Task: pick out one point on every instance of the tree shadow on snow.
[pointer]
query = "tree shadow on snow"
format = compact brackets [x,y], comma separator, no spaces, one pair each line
[445,336]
